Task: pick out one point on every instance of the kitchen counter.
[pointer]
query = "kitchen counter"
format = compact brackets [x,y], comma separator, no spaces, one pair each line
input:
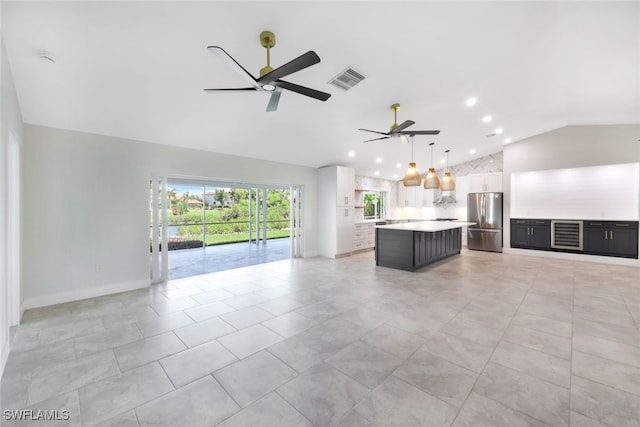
[413,245]
[427,226]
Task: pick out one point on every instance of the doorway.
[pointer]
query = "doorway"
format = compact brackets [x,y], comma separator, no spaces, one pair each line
[214,225]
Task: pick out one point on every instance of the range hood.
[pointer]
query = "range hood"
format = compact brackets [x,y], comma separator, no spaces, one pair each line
[445,198]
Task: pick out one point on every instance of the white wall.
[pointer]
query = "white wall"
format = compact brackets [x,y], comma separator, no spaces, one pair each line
[86,213]
[570,147]
[10,123]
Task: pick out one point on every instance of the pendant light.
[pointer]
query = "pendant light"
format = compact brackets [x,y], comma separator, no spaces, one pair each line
[412,178]
[431,181]
[447,180]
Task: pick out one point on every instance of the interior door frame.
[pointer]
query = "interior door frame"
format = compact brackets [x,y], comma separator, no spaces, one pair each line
[159,242]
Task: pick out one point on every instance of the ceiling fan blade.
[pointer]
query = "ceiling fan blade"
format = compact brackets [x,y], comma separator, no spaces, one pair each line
[302,90]
[376,139]
[273,100]
[375,131]
[222,54]
[240,89]
[419,132]
[300,63]
[402,126]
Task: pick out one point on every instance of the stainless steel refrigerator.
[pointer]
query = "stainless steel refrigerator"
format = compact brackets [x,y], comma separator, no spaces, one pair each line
[485,209]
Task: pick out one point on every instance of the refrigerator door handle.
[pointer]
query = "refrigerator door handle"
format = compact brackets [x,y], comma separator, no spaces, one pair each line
[488,230]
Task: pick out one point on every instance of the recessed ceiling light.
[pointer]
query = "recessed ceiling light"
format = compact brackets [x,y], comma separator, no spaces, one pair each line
[487,119]
[398,165]
[376,173]
[379,160]
[507,140]
[472,151]
[395,176]
[351,153]
[471,101]
[442,161]
[498,131]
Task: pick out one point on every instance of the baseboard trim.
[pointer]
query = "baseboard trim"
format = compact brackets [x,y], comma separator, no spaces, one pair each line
[629,262]
[79,294]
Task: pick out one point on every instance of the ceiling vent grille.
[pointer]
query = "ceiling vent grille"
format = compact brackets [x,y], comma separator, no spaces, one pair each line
[347,79]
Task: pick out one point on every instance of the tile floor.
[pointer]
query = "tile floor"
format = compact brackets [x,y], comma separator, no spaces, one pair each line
[480,339]
[192,262]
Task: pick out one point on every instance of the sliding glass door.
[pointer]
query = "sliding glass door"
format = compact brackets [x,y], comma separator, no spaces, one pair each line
[205,214]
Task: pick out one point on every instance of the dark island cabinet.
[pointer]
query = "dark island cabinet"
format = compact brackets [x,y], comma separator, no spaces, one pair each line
[611,238]
[433,246]
[409,249]
[531,233]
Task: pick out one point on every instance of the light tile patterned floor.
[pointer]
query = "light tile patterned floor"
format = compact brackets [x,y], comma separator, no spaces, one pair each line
[191,262]
[480,339]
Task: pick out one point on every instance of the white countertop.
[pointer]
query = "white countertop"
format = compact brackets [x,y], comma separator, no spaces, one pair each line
[429,226]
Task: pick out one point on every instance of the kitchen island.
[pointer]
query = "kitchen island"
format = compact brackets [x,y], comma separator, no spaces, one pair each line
[413,245]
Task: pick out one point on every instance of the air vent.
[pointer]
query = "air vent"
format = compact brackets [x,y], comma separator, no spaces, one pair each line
[347,79]
[566,235]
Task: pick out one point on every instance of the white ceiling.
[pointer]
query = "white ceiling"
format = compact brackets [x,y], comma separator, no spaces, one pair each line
[138,69]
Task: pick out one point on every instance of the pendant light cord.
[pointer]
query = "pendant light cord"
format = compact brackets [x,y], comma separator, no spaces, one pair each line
[411,147]
[431,145]
[447,160]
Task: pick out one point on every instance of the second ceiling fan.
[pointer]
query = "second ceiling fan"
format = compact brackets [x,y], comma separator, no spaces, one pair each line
[399,129]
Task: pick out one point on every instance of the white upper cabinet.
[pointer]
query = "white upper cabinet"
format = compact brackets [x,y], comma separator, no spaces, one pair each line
[427,197]
[345,184]
[408,196]
[414,197]
[402,195]
[486,182]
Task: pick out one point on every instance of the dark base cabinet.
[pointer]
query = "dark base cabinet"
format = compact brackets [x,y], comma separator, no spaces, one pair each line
[431,247]
[531,233]
[611,238]
[409,250]
[606,238]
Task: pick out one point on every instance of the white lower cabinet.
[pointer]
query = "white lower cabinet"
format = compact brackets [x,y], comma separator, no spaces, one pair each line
[364,236]
[344,230]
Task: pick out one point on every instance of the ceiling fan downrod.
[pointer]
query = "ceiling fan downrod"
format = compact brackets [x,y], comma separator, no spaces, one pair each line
[268,40]
[395,108]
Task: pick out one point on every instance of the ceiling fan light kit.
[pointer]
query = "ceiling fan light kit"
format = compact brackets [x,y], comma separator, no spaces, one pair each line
[269,80]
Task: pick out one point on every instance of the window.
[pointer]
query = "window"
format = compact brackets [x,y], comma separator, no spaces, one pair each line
[374,202]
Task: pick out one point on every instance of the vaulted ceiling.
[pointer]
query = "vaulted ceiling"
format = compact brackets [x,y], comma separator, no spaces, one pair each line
[138,69]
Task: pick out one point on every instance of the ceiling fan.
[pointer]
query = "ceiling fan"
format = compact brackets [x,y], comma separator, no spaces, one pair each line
[399,129]
[269,80]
